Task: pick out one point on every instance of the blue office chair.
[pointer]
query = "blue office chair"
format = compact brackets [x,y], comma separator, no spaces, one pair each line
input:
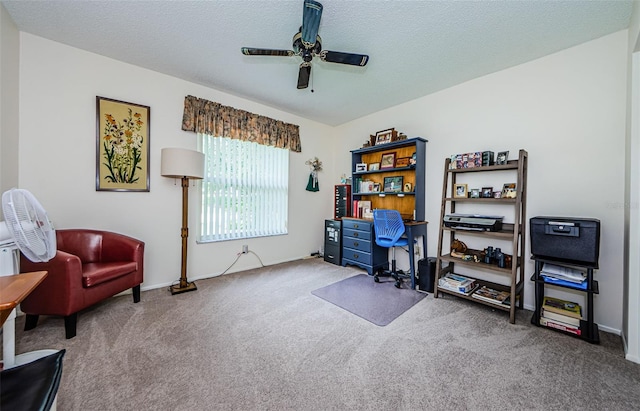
[389,229]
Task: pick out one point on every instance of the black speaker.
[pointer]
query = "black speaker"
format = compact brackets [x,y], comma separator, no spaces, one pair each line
[426,274]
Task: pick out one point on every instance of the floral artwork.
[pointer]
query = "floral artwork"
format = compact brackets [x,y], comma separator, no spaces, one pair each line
[123,146]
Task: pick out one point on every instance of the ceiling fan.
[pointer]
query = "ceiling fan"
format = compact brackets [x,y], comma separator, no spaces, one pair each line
[307,44]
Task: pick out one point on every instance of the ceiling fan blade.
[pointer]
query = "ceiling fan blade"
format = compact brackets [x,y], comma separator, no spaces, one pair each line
[303,75]
[248,51]
[344,58]
[310,22]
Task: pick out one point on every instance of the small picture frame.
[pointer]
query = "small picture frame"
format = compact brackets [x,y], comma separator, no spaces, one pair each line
[388,160]
[393,184]
[376,188]
[487,192]
[385,136]
[360,167]
[497,194]
[460,191]
[502,157]
[408,187]
[374,166]
[509,190]
[413,160]
[403,162]
[474,193]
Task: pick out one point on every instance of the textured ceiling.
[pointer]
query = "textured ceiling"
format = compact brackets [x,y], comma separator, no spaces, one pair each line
[415,47]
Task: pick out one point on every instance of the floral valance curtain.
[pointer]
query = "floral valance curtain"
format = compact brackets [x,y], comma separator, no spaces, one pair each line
[208,117]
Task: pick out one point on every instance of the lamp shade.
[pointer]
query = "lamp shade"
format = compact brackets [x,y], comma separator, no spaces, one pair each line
[180,162]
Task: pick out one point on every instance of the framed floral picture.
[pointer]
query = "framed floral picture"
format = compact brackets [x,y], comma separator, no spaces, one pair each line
[122,146]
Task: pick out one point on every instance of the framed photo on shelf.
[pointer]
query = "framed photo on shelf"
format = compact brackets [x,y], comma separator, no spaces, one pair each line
[408,187]
[502,157]
[487,192]
[376,187]
[374,166]
[385,136]
[474,193]
[393,184]
[403,162]
[388,160]
[361,167]
[509,190]
[122,145]
[460,191]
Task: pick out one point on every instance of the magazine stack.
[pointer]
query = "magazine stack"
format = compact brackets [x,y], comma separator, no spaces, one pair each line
[560,275]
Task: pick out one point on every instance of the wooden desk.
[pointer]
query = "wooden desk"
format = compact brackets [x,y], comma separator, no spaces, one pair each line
[14,289]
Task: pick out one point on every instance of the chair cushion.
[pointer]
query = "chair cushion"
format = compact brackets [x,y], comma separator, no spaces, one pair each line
[98,273]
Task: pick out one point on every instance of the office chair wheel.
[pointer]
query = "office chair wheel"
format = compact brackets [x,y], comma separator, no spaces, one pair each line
[376,278]
[398,283]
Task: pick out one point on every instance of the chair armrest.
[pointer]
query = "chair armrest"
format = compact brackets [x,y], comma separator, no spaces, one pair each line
[118,247]
[61,291]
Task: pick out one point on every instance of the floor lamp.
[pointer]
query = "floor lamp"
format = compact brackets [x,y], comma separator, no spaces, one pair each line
[184,164]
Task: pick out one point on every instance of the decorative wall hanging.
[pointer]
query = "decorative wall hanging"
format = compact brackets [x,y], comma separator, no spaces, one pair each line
[122,146]
[315,165]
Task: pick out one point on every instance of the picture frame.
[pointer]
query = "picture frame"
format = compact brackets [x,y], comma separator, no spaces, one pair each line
[388,160]
[497,194]
[460,191]
[393,184]
[487,192]
[374,166]
[122,145]
[376,187]
[385,136]
[502,157]
[474,193]
[360,167]
[407,188]
[509,190]
[403,162]
[413,160]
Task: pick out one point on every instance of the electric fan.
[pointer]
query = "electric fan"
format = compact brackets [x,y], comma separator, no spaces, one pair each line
[26,228]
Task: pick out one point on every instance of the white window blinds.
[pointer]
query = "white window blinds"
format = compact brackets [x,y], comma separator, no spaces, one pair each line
[244,190]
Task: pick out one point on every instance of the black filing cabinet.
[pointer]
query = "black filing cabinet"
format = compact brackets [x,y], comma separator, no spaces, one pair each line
[332,241]
[359,246]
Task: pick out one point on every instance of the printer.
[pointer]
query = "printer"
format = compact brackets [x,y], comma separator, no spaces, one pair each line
[473,222]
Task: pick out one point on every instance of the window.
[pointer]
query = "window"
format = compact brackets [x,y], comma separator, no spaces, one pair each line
[244,190]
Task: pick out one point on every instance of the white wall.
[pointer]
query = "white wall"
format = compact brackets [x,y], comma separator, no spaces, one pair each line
[58,87]
[9,75]
[568,111]
[631,297]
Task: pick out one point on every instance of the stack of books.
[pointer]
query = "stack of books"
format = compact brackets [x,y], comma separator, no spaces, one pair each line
[490,295]
[555,274]
[561,314]
[457,283]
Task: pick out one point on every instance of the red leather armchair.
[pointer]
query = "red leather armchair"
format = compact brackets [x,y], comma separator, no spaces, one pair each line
[89,266]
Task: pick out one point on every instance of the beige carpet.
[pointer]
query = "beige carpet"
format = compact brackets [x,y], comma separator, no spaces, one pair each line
[259,340]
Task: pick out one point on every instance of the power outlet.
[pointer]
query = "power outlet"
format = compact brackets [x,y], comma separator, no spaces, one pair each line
[245,249]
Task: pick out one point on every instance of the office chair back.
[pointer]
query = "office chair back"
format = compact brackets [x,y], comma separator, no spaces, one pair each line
[389,227]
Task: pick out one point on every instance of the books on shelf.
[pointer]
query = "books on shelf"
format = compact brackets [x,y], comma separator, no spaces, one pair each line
[558,325]
[565,319]
[564,307]
[491,295]
[457,283]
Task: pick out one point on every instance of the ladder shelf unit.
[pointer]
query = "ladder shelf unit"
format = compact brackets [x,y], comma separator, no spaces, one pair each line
[513,233]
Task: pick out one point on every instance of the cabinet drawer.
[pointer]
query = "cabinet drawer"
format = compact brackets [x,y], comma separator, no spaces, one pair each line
[356,224]
[356,255]
[362,235]
[357,244]
[332,254]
